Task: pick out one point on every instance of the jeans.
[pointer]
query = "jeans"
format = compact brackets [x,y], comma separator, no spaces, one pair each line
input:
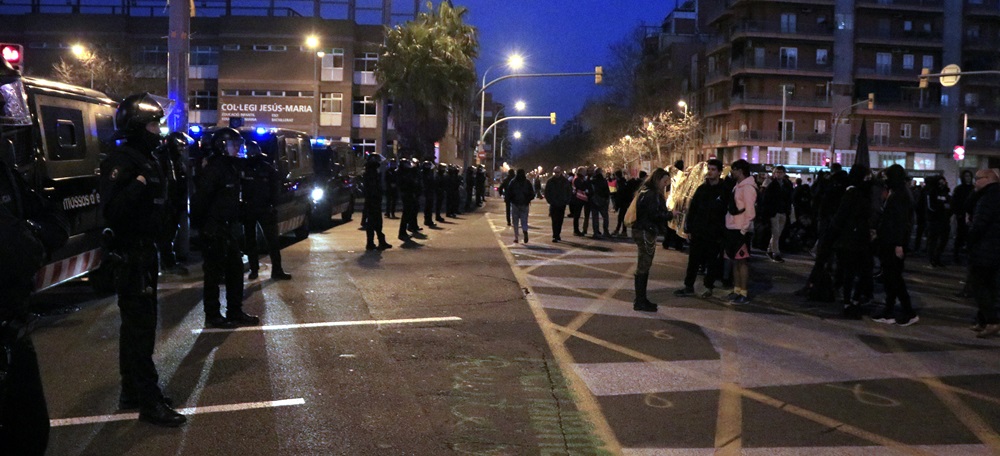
[599,212]
[519,217]
[777,225]
[645,240]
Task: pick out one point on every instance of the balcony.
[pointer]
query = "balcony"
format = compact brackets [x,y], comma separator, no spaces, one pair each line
[888,73]
[928,144]
[983,112]
[801,32]
[988,8]
[908,108]
[717,43]
[715,77]
[773,138]
[976,145]
[909,39]
[791,102]
[902,5]
[775,65]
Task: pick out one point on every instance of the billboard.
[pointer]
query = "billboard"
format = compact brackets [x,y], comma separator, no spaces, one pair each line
[278,112]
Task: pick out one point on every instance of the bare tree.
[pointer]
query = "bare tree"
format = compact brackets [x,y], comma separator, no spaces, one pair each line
[101,70]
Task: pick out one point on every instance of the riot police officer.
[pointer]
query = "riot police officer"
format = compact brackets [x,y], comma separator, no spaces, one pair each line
[429,184]
[29,228]
[261,186]
[173,160]
[215,211]
[480,185]
[373,203]
[442,191]
[409,191]
[134,197]
[454,190]
[470,184]
[391,189]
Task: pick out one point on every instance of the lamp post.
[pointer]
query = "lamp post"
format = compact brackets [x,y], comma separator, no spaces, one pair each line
[833,132]
[519,106]
[85,56]
[514,62]
[312,43]
[683,105]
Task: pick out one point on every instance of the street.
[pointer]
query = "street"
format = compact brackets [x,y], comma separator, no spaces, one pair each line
[465,343]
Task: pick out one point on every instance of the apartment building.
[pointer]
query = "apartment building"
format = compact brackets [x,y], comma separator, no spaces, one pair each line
[246,62]
[788,82]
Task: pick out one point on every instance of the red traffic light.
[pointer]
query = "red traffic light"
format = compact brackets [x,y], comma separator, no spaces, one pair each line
[13,54]
[958,153]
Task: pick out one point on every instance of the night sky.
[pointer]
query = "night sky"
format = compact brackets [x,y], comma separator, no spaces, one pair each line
[553,36]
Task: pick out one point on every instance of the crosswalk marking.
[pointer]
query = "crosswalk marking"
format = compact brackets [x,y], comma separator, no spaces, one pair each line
[328,324]
[183,411]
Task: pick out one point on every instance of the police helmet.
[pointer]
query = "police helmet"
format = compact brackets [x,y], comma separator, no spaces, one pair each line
[178,142]
[253,149]
[427,164]
[135,112]
[224,138]
[392,163]
[405,164]
[374,157]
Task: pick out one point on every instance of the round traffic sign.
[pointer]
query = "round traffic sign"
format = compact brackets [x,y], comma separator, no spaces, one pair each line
[950,75]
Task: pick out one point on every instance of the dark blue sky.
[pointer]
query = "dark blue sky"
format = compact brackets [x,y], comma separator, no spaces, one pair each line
[553,36]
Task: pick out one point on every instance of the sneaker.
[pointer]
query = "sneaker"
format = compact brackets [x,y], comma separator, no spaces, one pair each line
[907,320]
[367,247]
[706,294]
[525,237]
[777,258]
[384,246]
[977,327]
[684,292]
[732,296]
[884,317]
[770,256]
[516,241]
[645,307]
[740,300]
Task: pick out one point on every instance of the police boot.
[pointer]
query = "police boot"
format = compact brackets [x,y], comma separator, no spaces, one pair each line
[382,245]
[641,303]
[161,414]
[240,318]
[216,320]
[280,275]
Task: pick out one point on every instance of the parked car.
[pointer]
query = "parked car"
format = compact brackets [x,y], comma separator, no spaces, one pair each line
[334,189]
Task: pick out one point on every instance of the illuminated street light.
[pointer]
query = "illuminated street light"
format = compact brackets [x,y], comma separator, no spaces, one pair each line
[520,105]
[683,105]
[514,62]
[312,41]
[86,57]
[517,135]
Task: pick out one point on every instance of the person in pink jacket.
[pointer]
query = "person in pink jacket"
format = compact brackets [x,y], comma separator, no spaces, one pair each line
[739,221]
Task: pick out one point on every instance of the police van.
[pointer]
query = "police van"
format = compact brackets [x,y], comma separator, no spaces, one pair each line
[290,151]
[60,155]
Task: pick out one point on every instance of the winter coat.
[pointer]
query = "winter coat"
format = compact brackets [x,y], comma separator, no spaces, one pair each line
[984,233]
[706,214]
[558,191]
[777,198]
[894,225]
[850,229]
[600,193]
[519,192]
[651,212]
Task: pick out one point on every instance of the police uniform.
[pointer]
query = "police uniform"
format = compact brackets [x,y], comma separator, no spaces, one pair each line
[216,209]
[470,184]
[24,419]
[442,191]
[373,204]
[172,161]
[391,189]
[429,183]
[134,196]
[409,191]
[261,186]
[454,189]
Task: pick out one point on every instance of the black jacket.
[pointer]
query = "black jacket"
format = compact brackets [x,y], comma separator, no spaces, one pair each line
[706,215]
[850,229]
[216,203]
[777,198]
[558,191]
[261,186]
[984,233]
[894,224]
[519,192]
[651,212]
[600,193]
[133,210]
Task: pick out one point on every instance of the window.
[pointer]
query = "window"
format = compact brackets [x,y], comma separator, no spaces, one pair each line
[819,126]
[887,159]
[711,64]
[333,65]
[908,61]
[758,57]
[152,55]
[230,47]
[788,23]
[63,135]
[944,100]
[270,47]
[906,131]
[880,136]
[204,55]
[788,132]
[789,58]
[883,63]
[331,109]
[972,31]
[923,161]
[204,100]
[710,95]
[364,68]
[364,113]
[972,99]
[928,62]
[927,27]
[364,147]
[822,56]
[908,26]
[925,131]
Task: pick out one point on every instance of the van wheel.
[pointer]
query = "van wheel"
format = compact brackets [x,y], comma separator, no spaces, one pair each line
[302,232]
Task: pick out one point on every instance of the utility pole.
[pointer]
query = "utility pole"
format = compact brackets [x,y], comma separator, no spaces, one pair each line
[178,51]
[784,103]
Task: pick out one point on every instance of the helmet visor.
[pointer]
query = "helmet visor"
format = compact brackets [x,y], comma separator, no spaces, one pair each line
[13,103]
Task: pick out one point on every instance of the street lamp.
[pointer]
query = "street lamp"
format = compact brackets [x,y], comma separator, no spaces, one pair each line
[517,135]
[683,105]
[86,57]
[519,105]
[514,62]
[312,43]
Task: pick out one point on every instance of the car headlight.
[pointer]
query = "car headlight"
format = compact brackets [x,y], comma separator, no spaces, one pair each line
[317,194]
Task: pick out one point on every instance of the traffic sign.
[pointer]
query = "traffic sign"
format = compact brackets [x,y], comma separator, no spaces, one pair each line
[950,75]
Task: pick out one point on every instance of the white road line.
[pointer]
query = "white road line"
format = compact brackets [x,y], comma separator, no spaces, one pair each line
[183,411]
[957,450]
[327,324]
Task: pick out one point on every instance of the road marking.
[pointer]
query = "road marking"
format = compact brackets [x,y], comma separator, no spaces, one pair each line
[327,324]
[183,411]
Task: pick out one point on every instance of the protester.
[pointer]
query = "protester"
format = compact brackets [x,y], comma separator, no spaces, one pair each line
[706,224]
[850,236]
[624,192]
[519,194]
[558,193]
[959,196]
[984,251]
[739,219]
[579,201]
[651,217]
[600,197]
[777,204]
[892,234]
[939,214]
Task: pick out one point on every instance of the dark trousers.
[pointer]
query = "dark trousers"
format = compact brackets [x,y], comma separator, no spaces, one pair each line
[429,208]
[983,282]
[961,232]
[374,226]
[24,416]
[468,198]
[621,210]
[600,212]
[892,279]
[391,196]
[453,203]
[480,194]
[440,202]
[223,264]
[506,205]
[136,282]
[705,251]
[408,222]
[937,239]
[557,212]
[586,217]
[853,266]
[575,208]
[645,241]
[165,242]
[919,238]
[269,226]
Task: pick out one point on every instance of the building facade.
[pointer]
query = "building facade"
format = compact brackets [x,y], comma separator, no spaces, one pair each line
[789,82]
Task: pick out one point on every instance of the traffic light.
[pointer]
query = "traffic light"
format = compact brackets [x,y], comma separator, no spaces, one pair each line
[13,54]
[598,75]
[871,100]
[958,153]
[552,118]
[923,77]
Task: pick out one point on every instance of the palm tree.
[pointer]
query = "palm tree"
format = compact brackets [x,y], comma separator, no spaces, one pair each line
[426,68]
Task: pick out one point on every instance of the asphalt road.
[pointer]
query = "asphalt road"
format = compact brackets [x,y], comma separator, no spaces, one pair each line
[465,343]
